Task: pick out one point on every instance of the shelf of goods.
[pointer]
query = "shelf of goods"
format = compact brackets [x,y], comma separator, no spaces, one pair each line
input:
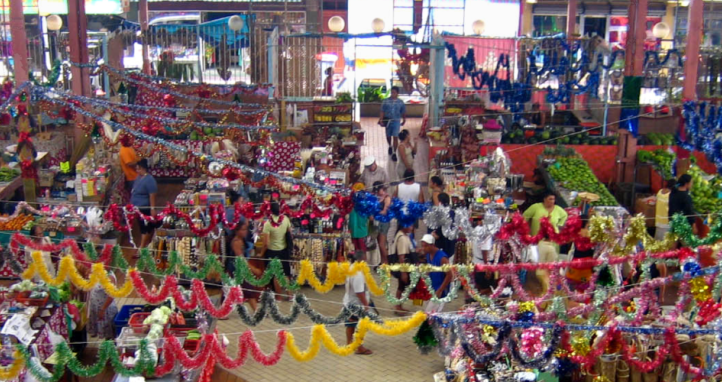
[568,176]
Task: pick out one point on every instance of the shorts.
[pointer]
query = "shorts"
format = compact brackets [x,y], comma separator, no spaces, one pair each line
[359,243]
[146,227]
[393,127]
[284,257]
[434,307]
[384,228]
[352,322]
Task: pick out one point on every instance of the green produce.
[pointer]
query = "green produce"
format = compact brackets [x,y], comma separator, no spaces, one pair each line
[705,190]
[662,160]
[575,174]
[8,174]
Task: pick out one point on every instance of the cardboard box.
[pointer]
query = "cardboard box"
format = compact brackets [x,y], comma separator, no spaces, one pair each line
[646,206]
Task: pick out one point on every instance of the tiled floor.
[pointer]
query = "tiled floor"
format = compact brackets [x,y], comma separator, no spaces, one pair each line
[394,358]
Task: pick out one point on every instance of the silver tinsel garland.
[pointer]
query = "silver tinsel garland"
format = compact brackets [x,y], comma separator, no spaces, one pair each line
[440,217]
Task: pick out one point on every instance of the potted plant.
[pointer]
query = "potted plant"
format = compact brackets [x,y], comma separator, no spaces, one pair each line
[370,99]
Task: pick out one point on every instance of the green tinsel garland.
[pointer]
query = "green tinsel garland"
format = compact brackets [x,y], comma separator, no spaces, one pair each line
[681,227]
[107,352]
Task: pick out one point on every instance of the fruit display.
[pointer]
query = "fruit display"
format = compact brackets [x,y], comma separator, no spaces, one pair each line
[705,190]
[520,136]
[662,160]
[16,224]
[8,174]
[574,174]
[656,139]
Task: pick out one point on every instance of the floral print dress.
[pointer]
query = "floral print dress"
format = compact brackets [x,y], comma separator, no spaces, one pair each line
[97,297]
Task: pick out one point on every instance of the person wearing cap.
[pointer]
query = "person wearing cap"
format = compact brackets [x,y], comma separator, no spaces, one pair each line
[439,280]
[373,173]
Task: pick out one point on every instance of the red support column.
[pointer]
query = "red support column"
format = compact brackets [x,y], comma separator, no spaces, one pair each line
[19,41]
[571,31]
[636,34]
[571,18]
[78,42]
[143,18]
[694,39]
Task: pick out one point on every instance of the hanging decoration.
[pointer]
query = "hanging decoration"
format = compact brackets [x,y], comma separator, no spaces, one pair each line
[367,204]
[320,335]
[702,121]
[269,308]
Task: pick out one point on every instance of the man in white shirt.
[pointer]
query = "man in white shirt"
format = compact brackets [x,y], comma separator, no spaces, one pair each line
[356,293]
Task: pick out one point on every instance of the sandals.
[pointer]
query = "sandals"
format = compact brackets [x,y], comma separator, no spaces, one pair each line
[364,352]
[402,313]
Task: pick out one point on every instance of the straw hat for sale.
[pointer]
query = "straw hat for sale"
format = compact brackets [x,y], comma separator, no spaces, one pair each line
[588,197]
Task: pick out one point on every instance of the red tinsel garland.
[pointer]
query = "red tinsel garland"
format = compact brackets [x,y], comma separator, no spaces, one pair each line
[18,239]
[213,349]
[569,233]
[199,296]
[217,213]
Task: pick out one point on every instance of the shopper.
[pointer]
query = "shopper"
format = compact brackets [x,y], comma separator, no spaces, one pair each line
[680,202]
[356,294]
[661,210]
[373,173]
[409,190]
[241,245]
[278,244]
[328,83]
[448,245]
[383,227]
[439,280]
[406,152]
[37,235]
[143,196]
[435,188]
[547,251]
[128,160]
[403,252]
[359,227]
[393,116]
[101,308]
[578,278]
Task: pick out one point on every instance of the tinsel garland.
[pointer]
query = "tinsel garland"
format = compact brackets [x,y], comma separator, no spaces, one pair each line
[320,335]
[212,349]
[107,352]
[545,357]
[681,227]
[172,351]
[367,204]
[217,213]
[440,217]
[471,352]
[7,258]
[268,307]
[11,372]
[198,296]
[68,271]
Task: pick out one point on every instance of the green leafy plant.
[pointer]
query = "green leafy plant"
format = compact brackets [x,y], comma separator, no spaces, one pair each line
[344,97]
[371,94]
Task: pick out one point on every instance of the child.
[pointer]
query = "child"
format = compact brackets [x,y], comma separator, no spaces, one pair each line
[356,293]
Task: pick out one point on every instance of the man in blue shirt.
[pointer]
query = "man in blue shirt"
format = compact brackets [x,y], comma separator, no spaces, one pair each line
[439,280]
[393,116]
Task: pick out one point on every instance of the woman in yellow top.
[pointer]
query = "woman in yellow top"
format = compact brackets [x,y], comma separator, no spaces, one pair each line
[661,211]
[275,245]
[548,251]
